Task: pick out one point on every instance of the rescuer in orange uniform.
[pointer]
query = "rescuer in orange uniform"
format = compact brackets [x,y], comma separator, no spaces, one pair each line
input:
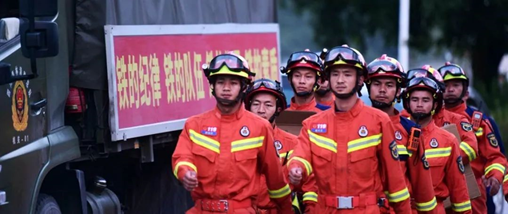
[422,98]
[491,162]
[304,69]
[266,99]
[349,148]
[385,79]
[443,117]
[221,152]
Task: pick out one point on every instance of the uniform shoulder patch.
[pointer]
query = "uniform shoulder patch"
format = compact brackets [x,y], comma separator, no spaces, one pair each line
[460,164]
[466,126]
[425,162]
[492,140]
[394,150]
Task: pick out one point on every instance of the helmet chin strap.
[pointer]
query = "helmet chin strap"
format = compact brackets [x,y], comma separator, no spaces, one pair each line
[347,95]
[233,102]
[322,92]
[303,94]
[453,101]
[420,116]
[380,105]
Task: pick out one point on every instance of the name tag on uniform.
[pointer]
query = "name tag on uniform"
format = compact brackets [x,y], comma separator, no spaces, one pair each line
[209,130]
[318,128]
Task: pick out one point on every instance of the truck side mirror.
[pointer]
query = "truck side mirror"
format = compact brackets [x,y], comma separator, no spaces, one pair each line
[41,41]
[38,38]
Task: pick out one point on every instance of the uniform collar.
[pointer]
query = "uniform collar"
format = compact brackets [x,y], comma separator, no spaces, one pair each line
[230,117]
[440,114]
[396,117]
[353,112]
[460,108]
[309,105]
[430,127]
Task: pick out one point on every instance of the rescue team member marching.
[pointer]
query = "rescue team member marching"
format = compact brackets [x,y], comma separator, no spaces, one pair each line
[324,95]
[491,163]
[266,99]
[468,145]
[304,68]
[422,99]
[385,79]
[349,148]
[220,152]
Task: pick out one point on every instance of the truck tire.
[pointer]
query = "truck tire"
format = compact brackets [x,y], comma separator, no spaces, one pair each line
[46,204]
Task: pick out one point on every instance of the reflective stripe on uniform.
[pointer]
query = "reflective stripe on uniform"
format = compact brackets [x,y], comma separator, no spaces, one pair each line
[471,154]
[306,163]
[438,152]
[398,196]
[364,143]
[323,142]
[204,141]
[402,150]
[280,192]
[310,196]
[426,206]
[495,166]
[184,163]
[479,132]
[249,143]
[288,154]
[505,178]
[462,207]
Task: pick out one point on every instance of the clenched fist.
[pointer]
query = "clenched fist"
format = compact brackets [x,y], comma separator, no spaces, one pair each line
[190,180]
[295,175]
[493,183]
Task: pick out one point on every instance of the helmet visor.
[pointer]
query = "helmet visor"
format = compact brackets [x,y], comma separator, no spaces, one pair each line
[346,54]
[452,70]
[382,65]
[423,81]
[231,61]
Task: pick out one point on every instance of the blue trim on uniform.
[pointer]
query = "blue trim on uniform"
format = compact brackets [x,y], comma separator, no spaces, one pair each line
[322,107]
[407,124]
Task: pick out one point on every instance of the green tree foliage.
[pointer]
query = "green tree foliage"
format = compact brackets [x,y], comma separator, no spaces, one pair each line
[478,28]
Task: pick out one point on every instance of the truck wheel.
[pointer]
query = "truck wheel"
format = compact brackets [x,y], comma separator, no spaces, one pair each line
[46,204]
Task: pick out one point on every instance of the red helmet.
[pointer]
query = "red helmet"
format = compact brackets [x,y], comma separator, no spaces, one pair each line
[385,66]
[269,86]
[423,83]
[427,71]
[303,59]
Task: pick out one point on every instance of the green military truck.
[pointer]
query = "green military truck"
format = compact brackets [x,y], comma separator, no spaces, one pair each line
[58,151]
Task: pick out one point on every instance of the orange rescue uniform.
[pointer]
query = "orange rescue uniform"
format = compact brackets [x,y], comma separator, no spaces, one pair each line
[468,144]
[349,152]
[228,153]
[310,106]
[416,168]
[447,169]
[491,161]
[284,144]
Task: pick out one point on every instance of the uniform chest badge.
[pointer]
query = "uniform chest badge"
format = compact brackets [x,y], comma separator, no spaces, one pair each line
[434,143]
[209,130]
[318,128]
[363,132]
[278,146]
[398,136]
[245,131]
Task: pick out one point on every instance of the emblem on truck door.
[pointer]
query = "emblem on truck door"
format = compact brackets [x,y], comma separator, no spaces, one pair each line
[19,97]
